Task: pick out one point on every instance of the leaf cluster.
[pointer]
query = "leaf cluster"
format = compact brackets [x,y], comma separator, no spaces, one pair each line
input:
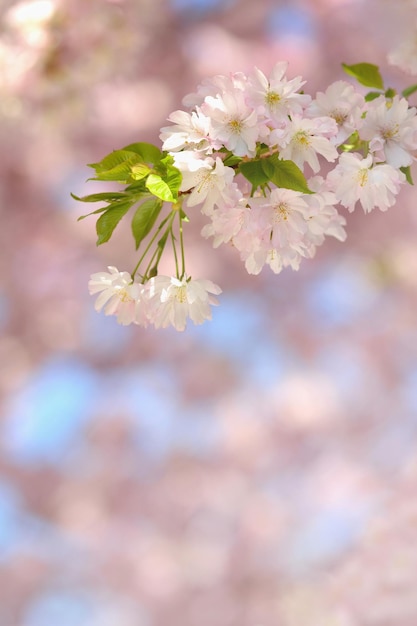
[150,178]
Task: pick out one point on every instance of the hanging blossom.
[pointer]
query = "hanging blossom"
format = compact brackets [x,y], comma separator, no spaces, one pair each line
[118,295]
[162,301]
[355,179]
[172,301]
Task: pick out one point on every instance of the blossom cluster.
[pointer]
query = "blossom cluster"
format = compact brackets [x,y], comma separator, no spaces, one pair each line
[268,165]
[162,301]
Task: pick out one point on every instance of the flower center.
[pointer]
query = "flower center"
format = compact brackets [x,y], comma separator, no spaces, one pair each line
[339,117]
[281,213]
[236,126]
[272,98]
[390,132]
[125,296]
[363,177]
[302,138]
[181,294]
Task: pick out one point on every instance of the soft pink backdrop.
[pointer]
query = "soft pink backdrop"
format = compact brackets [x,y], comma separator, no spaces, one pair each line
[258,471]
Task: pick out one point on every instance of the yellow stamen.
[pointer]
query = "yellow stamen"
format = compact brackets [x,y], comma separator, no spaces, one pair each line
[236,126]
[281,213]
[124,296]
[302,137]
[272,98]
[363,177]
[339,117]
[181,294]
[390,133]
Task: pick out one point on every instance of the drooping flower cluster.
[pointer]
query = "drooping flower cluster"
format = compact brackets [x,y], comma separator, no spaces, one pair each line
[267,164]
[162,301]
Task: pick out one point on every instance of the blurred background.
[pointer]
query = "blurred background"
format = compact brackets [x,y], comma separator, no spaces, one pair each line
[259,470]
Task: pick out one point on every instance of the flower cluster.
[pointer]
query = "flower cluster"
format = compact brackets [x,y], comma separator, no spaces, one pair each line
[162,301]
[268,165]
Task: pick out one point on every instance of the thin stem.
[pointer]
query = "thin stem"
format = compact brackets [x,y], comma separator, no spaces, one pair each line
[158,230]
[182,246]
[159,249]
[174,248]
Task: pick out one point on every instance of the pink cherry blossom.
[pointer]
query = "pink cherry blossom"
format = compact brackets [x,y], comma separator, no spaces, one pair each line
[356,179]
[391,129]
[275,96]
[344,104]
[189,130]
[234,123]
[303,139]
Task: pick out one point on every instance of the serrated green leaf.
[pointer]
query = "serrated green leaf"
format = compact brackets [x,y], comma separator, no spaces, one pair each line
[147,151]
[372,95]
[121,173]
[253,171]
[144,218]
[109,220]
[408,91]
[115,158]
[285,174]
[366,74]
[105,196]
[407,171]
[139,171]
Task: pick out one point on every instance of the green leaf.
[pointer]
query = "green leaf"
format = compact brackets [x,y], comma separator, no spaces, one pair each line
[372,95]
[165,182]
[122,173]
[253,171]
[408,91]
[285,174]
[139,171]
[144,218]
[137,188]
[105,196]
[101,210]
[231,160]
[407,171]
[109,220]
[147,151]
[173,178]
[115,158]
[159,188]
[366,74]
